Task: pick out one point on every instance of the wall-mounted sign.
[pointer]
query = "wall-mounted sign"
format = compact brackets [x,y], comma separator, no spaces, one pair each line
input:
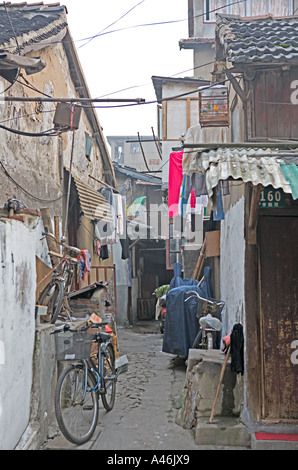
[272,198]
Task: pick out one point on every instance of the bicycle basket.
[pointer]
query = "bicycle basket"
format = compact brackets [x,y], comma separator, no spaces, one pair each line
[71,346]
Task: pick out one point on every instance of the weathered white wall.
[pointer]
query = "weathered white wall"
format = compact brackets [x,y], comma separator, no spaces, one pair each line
[17,328]
[232,265]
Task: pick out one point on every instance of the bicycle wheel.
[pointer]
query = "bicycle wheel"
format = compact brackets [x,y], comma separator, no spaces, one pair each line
[76,415]
[52,297]
[197,344]
[209,341]
[108,398]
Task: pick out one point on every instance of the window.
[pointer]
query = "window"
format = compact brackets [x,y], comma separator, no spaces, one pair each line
[135,148]
[88,145]
[212,7]
[247,8]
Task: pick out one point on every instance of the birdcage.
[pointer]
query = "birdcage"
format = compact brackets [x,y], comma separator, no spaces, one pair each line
[214,106]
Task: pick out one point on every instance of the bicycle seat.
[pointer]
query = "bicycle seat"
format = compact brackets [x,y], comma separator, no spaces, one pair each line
[104,337]
[211,322]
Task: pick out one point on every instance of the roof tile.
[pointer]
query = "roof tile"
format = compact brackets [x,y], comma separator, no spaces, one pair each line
[265,39]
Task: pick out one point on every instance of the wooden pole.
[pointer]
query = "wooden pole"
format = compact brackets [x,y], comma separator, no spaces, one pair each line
[219,384]
[200,262]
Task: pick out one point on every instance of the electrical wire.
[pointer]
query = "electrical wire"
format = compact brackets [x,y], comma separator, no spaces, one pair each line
[170,98]
[170,76]
[112,24]
[25,191]
[139,26]
[49,133]
[160,23]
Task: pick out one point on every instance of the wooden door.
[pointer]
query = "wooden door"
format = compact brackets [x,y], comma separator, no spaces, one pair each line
[279,314]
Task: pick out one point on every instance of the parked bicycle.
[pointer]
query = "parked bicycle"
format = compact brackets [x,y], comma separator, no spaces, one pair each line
[209,314]
[83,381]
[54,295]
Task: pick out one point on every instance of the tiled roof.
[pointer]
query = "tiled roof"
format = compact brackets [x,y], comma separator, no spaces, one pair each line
[258,40]
[192,43]
[31,23]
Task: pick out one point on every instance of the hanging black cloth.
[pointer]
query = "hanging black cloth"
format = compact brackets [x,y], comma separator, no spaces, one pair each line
[237,349]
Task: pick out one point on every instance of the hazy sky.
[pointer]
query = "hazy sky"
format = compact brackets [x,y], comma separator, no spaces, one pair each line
[127,59]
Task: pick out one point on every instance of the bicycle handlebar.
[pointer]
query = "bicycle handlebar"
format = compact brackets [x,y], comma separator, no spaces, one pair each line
[62,242]
[219,303]
[67,327]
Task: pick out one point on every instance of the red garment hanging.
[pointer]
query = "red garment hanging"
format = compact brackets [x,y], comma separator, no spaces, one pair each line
[175,180]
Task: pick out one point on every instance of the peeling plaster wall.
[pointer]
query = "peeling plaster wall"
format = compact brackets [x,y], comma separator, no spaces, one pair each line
[35,162]
[17,329]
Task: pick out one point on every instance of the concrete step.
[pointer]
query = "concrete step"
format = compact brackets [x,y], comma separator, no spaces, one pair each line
[272,444]
[223,431]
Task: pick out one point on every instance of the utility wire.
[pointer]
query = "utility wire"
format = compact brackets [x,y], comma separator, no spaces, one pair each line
[160,23]
[112,24]
[24,190]
[90,38]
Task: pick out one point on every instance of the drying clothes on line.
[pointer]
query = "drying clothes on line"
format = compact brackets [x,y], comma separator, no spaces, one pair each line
[175,181]
[84,262]
[120,214]
[195,182]
[97,246]
[104,252]
[218,212]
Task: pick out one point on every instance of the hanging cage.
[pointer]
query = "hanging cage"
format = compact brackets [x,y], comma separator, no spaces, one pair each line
[214,106]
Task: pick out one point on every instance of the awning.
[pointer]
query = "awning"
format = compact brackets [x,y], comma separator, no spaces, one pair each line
[256,165]
[291,174]
[10,63]
[94,206]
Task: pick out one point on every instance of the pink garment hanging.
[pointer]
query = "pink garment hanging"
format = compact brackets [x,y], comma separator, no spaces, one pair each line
[175,180]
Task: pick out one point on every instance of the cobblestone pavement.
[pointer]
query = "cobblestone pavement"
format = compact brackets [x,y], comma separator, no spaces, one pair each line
[148,396]
[147,399]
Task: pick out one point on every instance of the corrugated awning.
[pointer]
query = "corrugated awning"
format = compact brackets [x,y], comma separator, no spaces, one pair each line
[255,165]
[94,206]
[291,174]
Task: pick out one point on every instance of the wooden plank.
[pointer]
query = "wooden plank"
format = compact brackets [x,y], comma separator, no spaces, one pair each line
[200,262]
[212,243]
[253,215]
[279,261]
[294,108]
[271,94]
[42,275]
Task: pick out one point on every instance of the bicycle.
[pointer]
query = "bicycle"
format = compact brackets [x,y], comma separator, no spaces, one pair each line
[55,292]
[209,314]
[82,382]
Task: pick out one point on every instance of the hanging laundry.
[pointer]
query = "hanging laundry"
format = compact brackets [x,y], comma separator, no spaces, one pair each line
[120,214]
[97,246]
[175,181]
[197,183]
[218,212]
[84,262]
[237,349]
